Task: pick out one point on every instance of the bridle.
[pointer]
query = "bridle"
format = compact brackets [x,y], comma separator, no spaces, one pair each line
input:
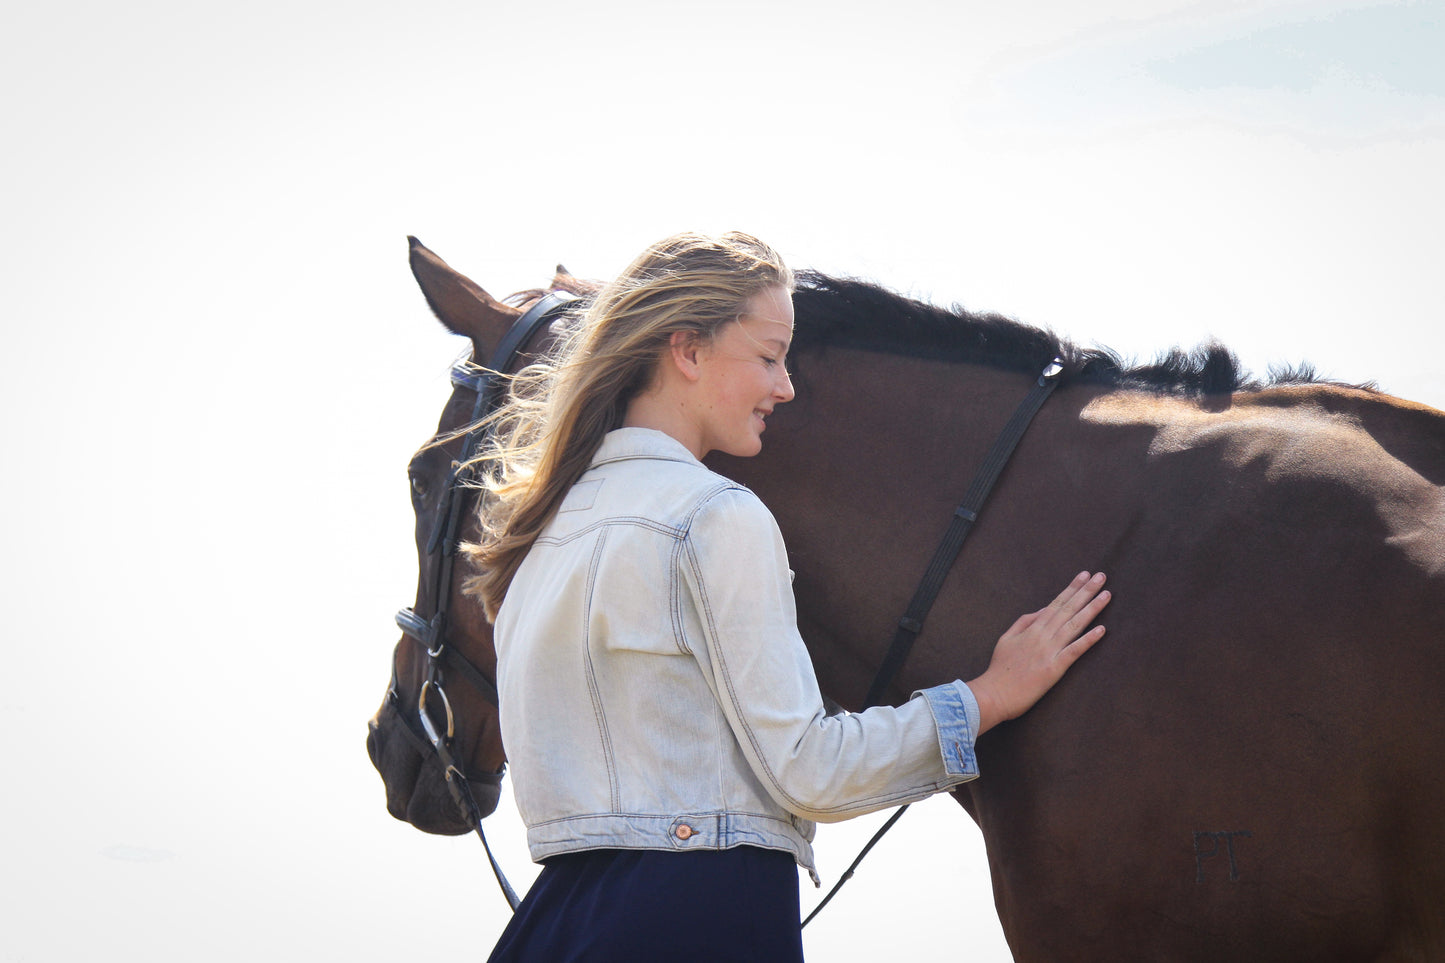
[442,544]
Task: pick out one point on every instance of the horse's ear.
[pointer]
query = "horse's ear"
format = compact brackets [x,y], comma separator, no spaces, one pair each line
[459,302]
[564,281]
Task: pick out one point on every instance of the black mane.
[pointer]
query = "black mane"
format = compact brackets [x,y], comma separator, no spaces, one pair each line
[845,312]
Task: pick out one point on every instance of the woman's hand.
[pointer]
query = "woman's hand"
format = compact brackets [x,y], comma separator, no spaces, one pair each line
[1038,649]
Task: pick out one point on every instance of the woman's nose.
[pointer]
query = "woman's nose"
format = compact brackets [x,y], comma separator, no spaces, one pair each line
[784,388]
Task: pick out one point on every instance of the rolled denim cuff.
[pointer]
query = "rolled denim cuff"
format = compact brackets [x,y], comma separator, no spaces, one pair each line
[955,712]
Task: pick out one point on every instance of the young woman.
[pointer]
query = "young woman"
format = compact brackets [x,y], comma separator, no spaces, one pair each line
[669,746]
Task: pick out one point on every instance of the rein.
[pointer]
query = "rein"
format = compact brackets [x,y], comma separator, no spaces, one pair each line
[910,625]
[445,537]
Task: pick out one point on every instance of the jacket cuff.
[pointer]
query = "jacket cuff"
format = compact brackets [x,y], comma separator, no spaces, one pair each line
[955,713]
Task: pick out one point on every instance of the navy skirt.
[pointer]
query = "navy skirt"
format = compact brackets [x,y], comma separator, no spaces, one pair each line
[704,906]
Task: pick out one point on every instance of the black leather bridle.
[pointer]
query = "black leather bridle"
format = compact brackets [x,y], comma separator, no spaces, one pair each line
[443,658]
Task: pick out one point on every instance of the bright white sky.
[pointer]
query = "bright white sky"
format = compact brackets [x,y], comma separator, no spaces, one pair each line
[217,363]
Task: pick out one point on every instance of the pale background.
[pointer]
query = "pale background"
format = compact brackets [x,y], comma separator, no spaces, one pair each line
[216,363]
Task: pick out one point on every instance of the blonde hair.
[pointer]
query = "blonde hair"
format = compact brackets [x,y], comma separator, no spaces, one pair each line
[559,409]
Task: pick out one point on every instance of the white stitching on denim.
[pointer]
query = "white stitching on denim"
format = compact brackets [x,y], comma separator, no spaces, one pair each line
[592,687]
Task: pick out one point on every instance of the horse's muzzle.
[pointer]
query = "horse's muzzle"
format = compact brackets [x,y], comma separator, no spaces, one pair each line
[416,787]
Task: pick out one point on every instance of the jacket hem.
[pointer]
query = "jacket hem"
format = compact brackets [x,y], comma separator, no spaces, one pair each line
[679,833]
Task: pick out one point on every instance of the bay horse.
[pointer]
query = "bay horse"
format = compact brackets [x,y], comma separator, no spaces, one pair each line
[1249,766]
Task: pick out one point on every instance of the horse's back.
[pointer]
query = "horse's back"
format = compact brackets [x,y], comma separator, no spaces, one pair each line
[1248,766]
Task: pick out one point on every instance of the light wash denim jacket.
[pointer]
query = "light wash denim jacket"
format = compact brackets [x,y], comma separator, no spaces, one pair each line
[655,693]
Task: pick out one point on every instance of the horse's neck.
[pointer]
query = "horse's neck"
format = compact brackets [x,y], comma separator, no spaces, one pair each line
[867,465]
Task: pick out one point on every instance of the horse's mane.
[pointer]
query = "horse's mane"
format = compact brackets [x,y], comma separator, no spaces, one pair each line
[846,312]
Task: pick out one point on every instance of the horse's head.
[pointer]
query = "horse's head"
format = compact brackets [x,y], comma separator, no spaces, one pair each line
[440,708]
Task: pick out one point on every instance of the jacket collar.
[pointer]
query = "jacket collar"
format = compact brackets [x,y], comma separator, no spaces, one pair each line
[624,443]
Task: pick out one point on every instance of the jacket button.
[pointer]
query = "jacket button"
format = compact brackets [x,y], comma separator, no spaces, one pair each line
[684,831]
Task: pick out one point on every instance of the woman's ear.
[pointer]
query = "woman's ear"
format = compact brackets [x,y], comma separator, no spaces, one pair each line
[683,350]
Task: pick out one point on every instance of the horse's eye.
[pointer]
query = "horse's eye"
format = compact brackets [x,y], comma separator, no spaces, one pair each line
[418,485]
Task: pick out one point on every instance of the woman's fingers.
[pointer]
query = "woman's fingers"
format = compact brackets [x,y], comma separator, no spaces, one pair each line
[1092,610]
[1039,648]
[1079,604]
[1078,584]
[1070,653]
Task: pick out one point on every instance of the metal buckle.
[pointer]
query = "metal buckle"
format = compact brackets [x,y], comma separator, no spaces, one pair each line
[426,723]
[1052,371]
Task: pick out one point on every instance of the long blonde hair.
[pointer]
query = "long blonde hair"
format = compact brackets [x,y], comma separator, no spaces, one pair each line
[559,409]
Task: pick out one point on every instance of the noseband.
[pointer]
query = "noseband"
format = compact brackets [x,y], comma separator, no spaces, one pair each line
[442,658]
